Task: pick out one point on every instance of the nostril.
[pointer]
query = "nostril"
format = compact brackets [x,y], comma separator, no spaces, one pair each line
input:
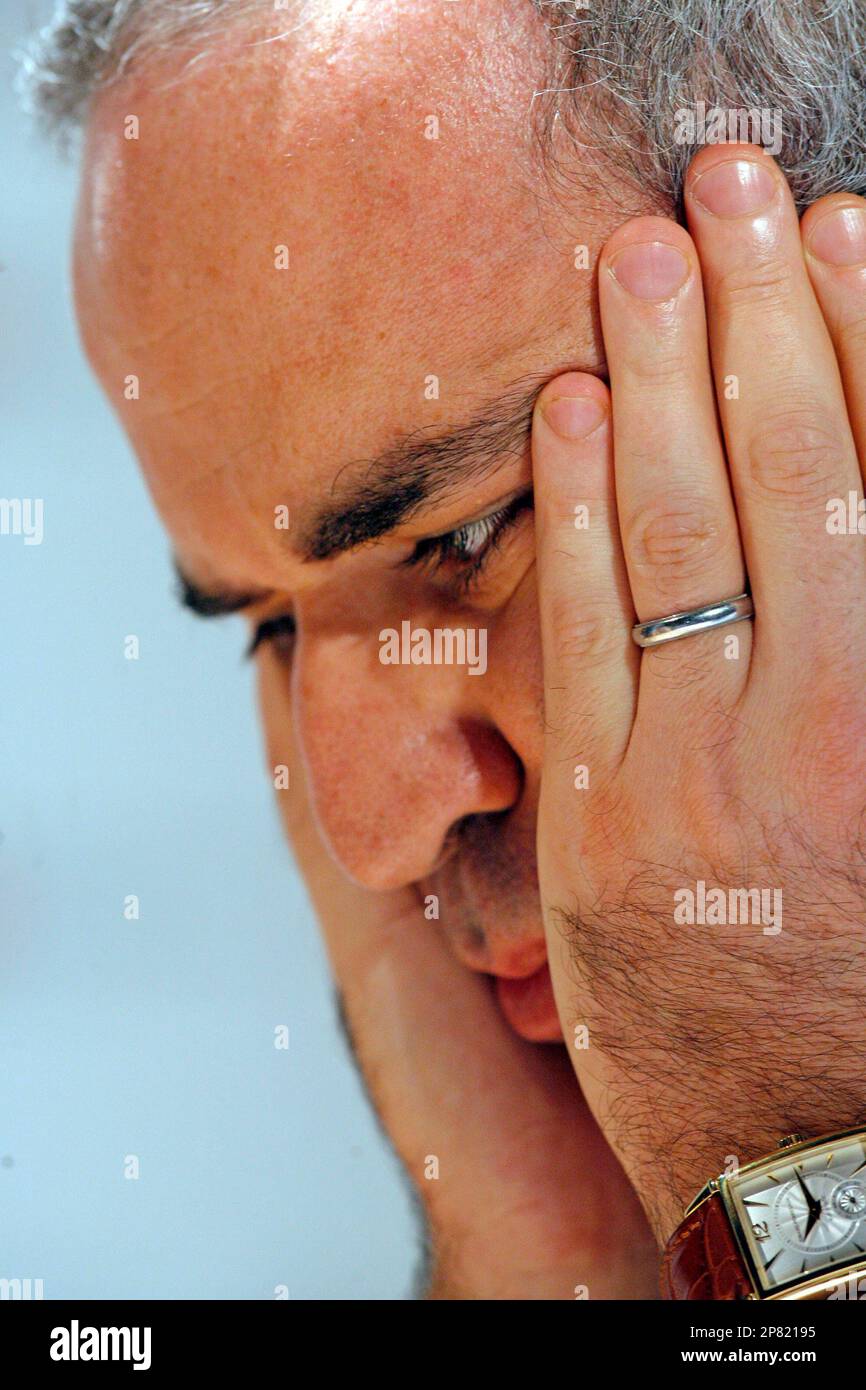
[451,843]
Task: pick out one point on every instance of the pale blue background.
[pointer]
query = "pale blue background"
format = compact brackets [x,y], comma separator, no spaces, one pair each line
[154,1037]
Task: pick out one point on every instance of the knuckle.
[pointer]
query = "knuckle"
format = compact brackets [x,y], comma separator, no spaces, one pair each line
[748,285]
[666,366]
[675,541]
[584,636]
[796,454]
[852,326]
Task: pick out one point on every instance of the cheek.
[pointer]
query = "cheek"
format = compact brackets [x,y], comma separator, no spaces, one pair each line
[511,691]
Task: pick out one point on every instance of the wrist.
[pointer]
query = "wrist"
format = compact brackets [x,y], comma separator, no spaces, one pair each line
[714,1148]
[789,1224]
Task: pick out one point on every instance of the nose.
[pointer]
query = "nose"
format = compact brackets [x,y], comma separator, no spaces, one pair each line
[395,757]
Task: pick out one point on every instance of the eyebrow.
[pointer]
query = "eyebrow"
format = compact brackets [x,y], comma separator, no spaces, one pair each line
[390,488]
[419,467]
[216,603]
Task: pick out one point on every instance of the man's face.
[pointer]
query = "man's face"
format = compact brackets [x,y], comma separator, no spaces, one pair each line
[428,284]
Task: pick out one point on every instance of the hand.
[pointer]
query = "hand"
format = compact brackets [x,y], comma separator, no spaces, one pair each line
[734,760]
[529,1202]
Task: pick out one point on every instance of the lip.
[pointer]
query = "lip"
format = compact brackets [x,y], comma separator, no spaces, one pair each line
[529,1006]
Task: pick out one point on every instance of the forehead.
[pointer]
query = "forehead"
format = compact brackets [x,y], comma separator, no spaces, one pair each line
[307,231]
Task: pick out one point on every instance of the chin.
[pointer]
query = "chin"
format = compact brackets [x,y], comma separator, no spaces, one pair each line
[529,1007]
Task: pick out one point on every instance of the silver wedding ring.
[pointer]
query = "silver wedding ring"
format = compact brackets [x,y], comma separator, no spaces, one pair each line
[677,625]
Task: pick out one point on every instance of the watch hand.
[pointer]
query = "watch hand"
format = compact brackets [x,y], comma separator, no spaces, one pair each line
[810,1200]
[814,1218]
[814,1207]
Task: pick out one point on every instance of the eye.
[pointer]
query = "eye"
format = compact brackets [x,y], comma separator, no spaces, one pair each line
[468,548]
[279,631]
[465,550]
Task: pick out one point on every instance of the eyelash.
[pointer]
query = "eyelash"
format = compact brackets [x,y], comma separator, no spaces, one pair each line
[271,630]
[433,553]
[487,533]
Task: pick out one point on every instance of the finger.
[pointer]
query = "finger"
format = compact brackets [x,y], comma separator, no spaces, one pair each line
[834,240]
[676,513]
[781,401]
[590,662]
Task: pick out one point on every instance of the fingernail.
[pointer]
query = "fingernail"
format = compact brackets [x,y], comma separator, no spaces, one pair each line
[650,269]
[840,237]
[573,417]
[735,189]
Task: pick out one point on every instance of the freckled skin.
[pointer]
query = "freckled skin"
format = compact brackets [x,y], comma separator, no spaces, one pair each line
[259,387]
[407,257]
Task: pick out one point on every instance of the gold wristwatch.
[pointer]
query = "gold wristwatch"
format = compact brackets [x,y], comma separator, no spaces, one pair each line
[792,1225]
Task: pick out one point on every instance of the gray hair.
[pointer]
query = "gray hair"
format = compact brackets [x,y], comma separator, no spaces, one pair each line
[625,77]
[88,44]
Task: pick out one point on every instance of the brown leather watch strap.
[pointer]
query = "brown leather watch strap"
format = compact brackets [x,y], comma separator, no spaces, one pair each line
[702,1260]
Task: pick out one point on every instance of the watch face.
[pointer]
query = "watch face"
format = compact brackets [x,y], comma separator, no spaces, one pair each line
[803,1214]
